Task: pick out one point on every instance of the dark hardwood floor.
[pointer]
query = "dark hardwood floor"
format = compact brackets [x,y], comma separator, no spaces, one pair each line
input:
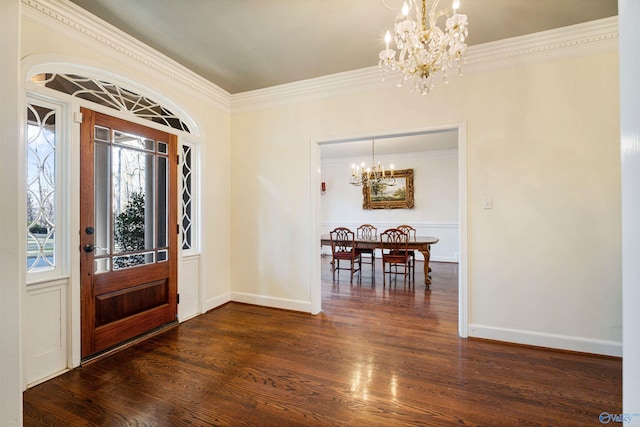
[373,357]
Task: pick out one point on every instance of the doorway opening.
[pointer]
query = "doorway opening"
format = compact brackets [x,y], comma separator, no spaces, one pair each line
[389,145]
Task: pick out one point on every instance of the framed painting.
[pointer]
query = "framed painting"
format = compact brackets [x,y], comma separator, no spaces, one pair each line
[385,196]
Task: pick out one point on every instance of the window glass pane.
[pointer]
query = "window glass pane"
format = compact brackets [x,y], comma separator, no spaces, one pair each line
[163,194]
[41,188]
[124,261]
[102,265]
[134,141]
[187,218]
[101,197]
[102,134]
[133,200]
[163,255]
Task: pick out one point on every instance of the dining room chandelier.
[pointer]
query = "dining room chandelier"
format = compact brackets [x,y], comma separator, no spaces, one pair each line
[425,49]
[374,175]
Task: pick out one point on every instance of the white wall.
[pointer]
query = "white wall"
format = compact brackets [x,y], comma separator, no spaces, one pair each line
[542,140]
[435,196]
[10,259]
[56,35]
[630,149]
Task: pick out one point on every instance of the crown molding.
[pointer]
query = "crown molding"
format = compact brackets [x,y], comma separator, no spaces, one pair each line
[575,40]
[80,24]
[587,38]
[580,39]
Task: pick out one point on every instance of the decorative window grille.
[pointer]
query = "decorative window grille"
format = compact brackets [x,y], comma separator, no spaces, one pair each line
[111,95]
[186,200]
[41,187]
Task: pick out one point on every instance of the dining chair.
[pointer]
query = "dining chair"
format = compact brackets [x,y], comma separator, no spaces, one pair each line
[411,234]
[367,232]
[343,248]
[394,243]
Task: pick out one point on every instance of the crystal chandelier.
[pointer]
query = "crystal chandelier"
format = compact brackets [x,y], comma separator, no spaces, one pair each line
[374,175]
[424,48]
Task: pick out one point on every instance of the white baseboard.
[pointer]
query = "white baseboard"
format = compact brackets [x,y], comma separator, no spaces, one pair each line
[561,342]
[216,301]
[443,259]
[47,378]
[266,301]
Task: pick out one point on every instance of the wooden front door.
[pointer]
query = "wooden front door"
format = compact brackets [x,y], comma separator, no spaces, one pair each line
[128,231]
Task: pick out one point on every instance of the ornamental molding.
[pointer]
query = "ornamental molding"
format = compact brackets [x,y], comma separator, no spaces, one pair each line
[80,24]
[566,42]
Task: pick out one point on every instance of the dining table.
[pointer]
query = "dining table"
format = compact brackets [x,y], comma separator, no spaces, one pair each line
[421,244]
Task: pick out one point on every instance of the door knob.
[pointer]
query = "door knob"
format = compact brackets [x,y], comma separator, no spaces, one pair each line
[89,248]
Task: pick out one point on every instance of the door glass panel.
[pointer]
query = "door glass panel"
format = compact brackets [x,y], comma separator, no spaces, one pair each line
[133,222]
[102,134]
[134,141]
[162,202]
[131,200]
[102,265]
[124,261]
[162,147]
[163,255]
[102,196]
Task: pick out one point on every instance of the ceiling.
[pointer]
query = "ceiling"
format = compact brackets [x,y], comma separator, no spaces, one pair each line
[244,45]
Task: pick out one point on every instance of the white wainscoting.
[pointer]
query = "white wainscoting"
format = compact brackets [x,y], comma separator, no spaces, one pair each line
[446,250]
[189,287]
[46,330]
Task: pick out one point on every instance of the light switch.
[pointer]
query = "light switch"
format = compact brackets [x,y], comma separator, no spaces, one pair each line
[487,203]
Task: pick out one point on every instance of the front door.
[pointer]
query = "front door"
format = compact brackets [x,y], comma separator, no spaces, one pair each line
[128,231]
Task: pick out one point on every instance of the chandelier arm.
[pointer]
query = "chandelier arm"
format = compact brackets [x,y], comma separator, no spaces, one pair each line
[373,152]
[433,16]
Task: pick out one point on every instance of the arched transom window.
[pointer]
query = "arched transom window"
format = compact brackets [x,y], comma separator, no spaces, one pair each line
[111,95]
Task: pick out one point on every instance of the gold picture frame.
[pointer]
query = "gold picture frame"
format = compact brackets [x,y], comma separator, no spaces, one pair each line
[383,196]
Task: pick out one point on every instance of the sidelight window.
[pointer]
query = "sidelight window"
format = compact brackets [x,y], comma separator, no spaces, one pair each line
[186,199]
[43,183]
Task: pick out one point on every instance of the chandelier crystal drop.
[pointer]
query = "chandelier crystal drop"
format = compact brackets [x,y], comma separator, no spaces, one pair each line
[424,49]
[374,175]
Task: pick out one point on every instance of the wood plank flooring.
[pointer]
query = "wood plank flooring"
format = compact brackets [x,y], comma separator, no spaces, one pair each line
[374,357]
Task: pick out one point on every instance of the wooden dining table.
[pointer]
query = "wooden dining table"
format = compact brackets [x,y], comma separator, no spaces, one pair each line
[420,243]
